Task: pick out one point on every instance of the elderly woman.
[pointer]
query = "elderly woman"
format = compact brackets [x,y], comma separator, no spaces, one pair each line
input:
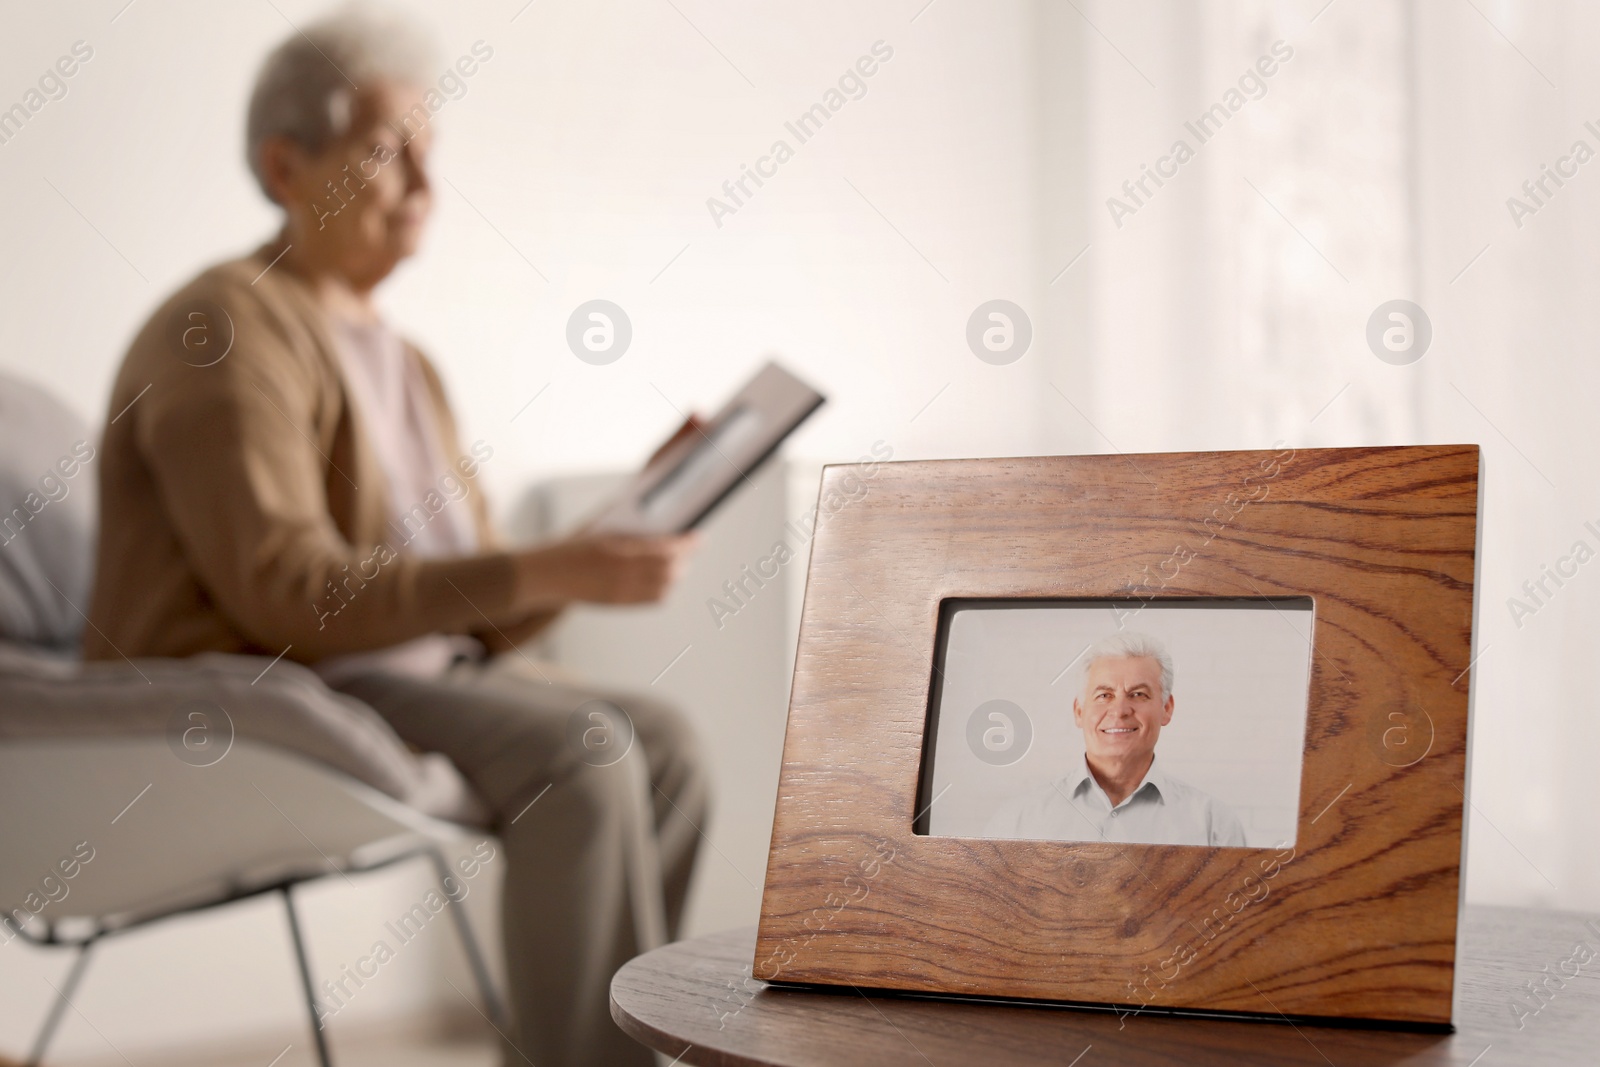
[284,477]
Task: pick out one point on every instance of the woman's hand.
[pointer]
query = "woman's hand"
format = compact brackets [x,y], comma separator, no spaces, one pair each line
[604,568]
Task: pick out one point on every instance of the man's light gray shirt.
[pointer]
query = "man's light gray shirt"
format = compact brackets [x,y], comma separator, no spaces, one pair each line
[1160,811]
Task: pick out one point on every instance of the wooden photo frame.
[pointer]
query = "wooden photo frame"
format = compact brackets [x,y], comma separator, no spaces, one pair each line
[1356,919]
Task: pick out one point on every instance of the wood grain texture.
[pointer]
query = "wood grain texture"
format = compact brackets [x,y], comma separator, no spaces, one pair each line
[1358,922]
[698,996]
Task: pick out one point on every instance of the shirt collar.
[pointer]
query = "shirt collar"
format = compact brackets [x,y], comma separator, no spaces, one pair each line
[1154,778]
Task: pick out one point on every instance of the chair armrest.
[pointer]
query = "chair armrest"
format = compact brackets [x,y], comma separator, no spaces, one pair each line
[45,696]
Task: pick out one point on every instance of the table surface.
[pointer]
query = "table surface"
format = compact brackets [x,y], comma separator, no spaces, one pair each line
[695,999]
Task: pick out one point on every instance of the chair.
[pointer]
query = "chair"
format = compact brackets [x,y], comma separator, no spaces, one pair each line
[164,838]
[143,790]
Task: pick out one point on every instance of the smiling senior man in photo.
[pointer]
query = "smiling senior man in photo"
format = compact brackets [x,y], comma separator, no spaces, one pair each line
[1120,793]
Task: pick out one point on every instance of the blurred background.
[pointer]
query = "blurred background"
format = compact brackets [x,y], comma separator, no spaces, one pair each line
[1000,151]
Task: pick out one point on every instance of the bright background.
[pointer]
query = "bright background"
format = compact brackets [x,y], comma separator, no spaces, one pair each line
[1228,311]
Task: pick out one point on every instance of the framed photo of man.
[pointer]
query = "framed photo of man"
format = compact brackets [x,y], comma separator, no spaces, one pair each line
[1174,732]
[1177,722]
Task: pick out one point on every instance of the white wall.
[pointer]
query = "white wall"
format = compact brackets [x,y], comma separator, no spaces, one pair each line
[591,141]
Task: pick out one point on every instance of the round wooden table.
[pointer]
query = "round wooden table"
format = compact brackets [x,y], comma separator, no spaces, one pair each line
[696,1000]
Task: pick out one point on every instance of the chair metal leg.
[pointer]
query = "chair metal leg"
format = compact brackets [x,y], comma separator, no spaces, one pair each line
[305,980]
[469,944]
[52,1020]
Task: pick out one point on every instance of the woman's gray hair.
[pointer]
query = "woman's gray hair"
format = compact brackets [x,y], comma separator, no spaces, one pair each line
[307,85]
[1131,643]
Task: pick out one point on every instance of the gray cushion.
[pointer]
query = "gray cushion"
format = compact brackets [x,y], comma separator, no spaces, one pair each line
[47,516]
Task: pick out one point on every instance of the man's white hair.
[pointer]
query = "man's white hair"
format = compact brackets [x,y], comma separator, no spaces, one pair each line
[307,84]
[1130,643]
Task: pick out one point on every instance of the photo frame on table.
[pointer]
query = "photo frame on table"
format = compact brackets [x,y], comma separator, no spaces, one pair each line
[1340,580]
